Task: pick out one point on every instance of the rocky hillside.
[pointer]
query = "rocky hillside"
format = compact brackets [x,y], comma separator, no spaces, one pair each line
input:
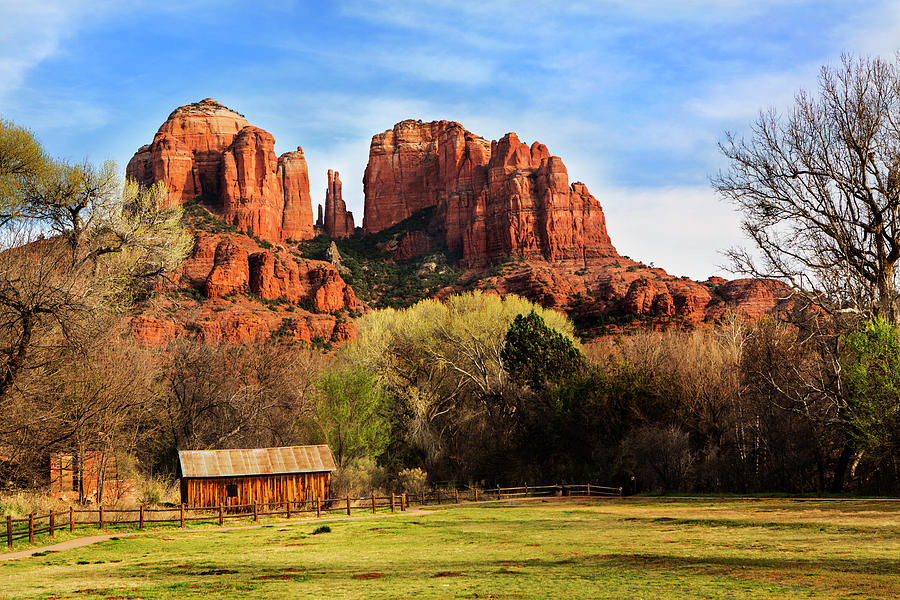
[508,214]
[445,211]
[245,278]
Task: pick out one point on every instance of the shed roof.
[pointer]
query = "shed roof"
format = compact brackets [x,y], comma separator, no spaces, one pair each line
[256,461]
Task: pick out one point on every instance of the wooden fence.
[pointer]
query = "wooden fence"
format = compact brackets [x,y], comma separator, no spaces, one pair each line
[27,528]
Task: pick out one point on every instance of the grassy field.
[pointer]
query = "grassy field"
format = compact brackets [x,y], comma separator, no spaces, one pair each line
[650,548]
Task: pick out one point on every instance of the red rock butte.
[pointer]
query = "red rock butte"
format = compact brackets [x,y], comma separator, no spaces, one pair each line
[491,199]
[205,150]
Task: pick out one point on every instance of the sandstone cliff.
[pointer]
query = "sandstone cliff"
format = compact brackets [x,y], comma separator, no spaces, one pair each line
[233,290]
[446,211]
[205,150]
[492,198]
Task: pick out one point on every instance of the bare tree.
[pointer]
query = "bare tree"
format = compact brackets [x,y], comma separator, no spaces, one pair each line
[74,242]
[819,190]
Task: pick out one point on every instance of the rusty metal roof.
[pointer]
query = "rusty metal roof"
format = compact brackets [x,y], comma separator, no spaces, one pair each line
[255,461]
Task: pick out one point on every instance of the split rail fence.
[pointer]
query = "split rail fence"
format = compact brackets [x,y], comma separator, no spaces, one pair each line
[102,517]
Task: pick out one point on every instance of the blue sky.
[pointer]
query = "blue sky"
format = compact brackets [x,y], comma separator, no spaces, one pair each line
[632,94]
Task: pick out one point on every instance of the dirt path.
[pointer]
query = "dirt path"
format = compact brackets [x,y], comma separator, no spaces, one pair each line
[93,539]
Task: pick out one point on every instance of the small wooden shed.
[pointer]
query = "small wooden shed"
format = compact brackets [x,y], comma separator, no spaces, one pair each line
[259,475]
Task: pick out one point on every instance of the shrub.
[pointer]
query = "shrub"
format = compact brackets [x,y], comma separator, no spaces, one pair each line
[322,529]
[414,480]
[358,478]
[156,489]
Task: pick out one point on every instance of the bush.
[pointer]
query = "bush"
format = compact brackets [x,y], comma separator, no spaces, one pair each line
[414,480]
[155,490]
[360,477]
[322,529]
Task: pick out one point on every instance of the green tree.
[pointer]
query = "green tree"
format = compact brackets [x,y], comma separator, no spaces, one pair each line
[22,159]
[349,414]
[871,375]
[536,354]
[456,403]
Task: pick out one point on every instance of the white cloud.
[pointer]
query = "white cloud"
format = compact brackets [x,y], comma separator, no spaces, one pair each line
[681,229]
[440,67]
[872,30]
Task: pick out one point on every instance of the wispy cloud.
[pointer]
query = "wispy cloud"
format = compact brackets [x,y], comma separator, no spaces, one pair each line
[31,31]
[741,98]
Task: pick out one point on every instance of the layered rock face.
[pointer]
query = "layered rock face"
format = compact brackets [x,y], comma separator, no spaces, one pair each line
[336,220]
[252,293]
[206,150]
[491,198]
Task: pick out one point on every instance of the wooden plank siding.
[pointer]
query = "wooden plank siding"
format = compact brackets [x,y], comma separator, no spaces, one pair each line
[262,489]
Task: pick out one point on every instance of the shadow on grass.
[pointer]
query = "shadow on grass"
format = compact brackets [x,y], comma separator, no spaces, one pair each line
[718,565]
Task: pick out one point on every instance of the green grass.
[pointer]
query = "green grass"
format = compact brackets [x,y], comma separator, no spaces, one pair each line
[658,549]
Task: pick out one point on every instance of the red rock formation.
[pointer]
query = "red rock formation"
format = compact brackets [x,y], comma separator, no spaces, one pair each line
[412,244]
[297,219]
[491,198]
[230,271]
[206,150]
[338,221]
[414,164]
[224,264]
[234,273]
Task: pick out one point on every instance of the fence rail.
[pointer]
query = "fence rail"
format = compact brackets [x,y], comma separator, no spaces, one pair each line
[32,525]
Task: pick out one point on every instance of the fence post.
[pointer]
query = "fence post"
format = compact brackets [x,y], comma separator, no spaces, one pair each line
[589,489]
[220,514]
[71,520]
[348,505]
[182,515]
[31,528]
[142,517]
[318,508]
[373,503]
[620,491]
[438,492]
[9,530]
[498,492]
[476,493]
[404,501]
[101,517]
[392,501]
[255,511]
[288,509]
[526,490]
[52,523]
[423,497]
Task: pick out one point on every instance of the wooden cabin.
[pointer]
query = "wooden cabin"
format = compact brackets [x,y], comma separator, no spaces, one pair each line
[259,475]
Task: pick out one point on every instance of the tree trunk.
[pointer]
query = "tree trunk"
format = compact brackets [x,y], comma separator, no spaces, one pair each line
[840,468]
[17,358]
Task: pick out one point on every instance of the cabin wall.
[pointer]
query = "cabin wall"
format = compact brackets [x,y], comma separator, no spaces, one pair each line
[261,489]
